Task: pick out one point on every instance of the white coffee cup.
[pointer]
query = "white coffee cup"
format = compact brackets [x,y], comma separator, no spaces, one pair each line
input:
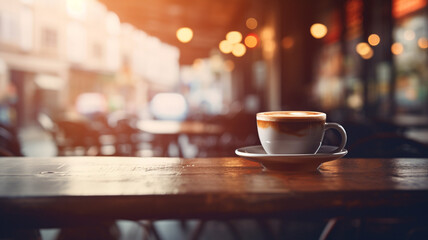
[295,132]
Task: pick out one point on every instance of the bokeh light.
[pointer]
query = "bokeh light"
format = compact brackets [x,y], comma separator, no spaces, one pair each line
[251,23]
[90,103]
[268,33]
[184,34]
[409,35]
[374,39]
[397,48]
[216,62]
[239,50]
[368,55]
[269,46]
[76,8]
[197,63]
[355,101]
[318,30]
[363,48]
[251,40]
[112,23]
[169,106]
[225,46]
[229,65]
[423,43]
[287,42]
[234,37]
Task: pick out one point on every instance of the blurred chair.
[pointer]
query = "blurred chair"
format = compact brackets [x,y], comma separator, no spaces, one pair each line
[9,143]
[4,145]
[127,137]
[4,152]
[47,123]
[240,131]
[72,136]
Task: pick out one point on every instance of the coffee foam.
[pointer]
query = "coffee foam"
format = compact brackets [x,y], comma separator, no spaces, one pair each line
[291,115]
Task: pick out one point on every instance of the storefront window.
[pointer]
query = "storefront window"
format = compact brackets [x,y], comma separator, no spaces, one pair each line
[410,56]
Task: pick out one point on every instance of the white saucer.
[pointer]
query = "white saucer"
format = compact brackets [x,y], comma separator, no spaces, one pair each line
[305,162]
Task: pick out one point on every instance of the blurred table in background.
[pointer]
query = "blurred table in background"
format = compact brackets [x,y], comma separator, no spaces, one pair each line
[409,121]
[174,127]
[167,132]
[403,123]
[414,127]
[82,135]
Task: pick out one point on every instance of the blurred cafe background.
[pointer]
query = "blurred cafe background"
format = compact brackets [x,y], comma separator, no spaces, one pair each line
[186,78]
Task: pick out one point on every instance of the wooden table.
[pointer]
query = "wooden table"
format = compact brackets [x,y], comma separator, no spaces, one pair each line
[61,191]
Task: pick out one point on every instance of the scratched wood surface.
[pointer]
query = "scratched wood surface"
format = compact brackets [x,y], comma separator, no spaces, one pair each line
[66,190]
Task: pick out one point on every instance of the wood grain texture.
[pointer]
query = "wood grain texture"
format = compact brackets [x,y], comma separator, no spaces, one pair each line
[74,190]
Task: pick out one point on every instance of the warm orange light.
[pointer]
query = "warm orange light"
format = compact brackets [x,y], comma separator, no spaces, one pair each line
[184,34]
[76,7]
[355,101]
[234,37]
[403,7]
[368,55]
[267,34]
[197,63]
[269,46]
[287,42]
[225,46]
[251,23]
[239,50]
[374,39]
[363,48]
[251,40]
[397,48]
[229,65]
[423,43]
[409,35]
[318,30]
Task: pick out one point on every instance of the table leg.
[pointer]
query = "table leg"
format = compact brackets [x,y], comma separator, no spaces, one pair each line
[266,230]
[328,228]
[149,228]
[198,230]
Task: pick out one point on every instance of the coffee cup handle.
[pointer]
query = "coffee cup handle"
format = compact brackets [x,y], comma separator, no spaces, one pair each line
[342,133]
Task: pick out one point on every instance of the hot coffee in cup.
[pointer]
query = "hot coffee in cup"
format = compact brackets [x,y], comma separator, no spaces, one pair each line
[295,132]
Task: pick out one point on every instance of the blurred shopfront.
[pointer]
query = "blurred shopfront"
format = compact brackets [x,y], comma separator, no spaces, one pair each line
[372,61]
[366,70]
